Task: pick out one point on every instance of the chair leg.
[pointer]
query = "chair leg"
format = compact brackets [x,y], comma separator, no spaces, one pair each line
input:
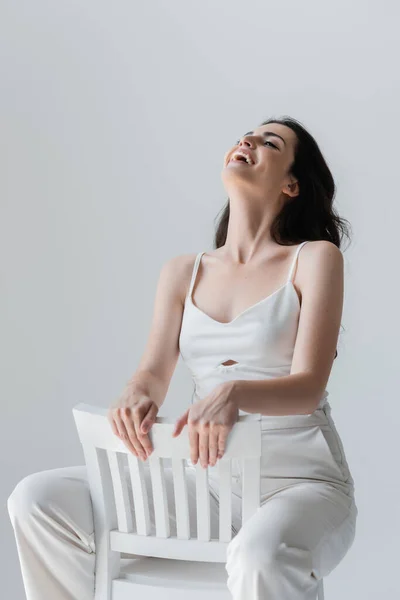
[320,588]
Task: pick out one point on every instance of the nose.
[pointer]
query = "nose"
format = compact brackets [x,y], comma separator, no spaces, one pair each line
[247,141]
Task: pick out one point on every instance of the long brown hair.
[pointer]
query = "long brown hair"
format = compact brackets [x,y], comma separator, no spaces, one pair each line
[310,215]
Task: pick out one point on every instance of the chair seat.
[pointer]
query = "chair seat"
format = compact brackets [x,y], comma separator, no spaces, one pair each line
[166,572]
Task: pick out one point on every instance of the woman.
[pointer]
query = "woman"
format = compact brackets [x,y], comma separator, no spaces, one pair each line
[257,322]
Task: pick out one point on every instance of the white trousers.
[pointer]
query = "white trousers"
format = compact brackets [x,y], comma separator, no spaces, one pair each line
[304,527]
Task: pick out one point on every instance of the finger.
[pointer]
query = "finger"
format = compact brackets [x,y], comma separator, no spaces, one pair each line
[203,445]
[137,438]
[149,419]
[114,428]
[223,434]
[194,444]
[213,444]
[144,439]
[119,425]
[180,424]
[146,425]
[124,434]
[131,429]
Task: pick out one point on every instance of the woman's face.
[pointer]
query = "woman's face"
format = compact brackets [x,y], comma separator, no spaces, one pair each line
[271,149]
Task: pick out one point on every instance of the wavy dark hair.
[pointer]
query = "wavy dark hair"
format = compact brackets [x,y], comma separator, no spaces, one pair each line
[310,215]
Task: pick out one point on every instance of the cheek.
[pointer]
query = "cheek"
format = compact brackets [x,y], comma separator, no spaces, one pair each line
[274,166]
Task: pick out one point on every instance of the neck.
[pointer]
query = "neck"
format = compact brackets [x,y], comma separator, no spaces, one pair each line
[249,228]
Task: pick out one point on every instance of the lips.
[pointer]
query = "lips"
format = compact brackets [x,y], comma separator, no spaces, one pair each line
[241,160]
[247,153]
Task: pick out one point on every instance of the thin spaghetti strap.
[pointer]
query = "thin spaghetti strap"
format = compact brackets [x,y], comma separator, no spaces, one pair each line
[295,259]
[194,273]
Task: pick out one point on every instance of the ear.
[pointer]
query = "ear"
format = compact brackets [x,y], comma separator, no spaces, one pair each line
[292,189]
[180,423]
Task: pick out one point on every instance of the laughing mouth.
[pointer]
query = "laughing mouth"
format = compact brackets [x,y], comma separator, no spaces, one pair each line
[241,156]
[240,160]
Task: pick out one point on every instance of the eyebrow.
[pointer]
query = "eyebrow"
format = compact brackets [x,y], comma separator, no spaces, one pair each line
[267,134]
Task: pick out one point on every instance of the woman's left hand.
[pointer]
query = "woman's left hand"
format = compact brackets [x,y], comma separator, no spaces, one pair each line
[209,420]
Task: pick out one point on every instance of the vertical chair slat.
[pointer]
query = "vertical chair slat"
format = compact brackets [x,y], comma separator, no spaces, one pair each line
[122,500]
[181,498]
[225,503]
[140,497]
[161,514]
[108,562]
[202,503]
[251,487]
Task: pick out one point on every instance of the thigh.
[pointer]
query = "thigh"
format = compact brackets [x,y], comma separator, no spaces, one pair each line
[311,517]
[63,495]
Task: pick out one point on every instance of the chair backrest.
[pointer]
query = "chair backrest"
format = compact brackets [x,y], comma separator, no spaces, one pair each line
[106,456]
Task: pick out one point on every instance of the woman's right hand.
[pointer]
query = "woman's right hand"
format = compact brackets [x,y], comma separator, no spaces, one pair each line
[131,416]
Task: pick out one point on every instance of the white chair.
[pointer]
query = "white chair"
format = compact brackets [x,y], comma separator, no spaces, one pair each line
[163,566]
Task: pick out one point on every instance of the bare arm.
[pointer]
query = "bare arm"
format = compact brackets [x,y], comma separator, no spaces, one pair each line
[132,415]
[320,280]
[160,356]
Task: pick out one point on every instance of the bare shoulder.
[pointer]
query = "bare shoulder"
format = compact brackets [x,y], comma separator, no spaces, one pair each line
[321,263]
[176,273]
[320,253]
[180,265]
[181,262]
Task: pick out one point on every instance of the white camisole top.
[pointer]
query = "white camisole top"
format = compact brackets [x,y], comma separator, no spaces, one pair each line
[260,339]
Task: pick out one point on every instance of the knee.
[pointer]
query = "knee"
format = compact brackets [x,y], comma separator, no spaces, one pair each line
[30,493]
[255,553]
[251,553]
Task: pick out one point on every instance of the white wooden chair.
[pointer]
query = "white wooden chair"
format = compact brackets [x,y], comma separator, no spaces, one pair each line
[132,516]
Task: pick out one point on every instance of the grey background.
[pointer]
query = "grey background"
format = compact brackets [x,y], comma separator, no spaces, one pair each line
[115,118]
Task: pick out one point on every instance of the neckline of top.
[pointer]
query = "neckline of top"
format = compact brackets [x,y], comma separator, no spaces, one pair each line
[246,310]
[288,283]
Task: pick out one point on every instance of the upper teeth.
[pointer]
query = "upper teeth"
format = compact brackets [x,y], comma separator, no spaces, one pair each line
[240,153]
